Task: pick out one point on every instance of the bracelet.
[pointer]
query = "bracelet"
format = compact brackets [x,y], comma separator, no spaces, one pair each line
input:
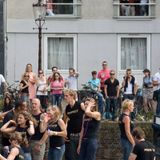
[55,133]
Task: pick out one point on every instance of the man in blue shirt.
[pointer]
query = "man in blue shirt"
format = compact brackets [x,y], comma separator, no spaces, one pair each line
[94,84]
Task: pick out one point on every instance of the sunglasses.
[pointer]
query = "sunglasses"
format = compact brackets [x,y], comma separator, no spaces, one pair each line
[26,76]
[112,73]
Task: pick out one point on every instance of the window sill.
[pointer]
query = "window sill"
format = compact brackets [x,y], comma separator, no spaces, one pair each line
[63,17]
[132,18]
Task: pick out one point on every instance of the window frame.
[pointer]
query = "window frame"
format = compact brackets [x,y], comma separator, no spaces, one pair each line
[120,36]
[152,3]
[74,36]
[76,12]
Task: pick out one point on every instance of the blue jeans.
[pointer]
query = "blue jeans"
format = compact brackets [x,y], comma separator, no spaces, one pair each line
[88,149]
[56,99]
[71,149]
[100,102]
[158,103]
[111,106]
[128,96]
[27,156]
[24,97]
[56,153]
[127,148]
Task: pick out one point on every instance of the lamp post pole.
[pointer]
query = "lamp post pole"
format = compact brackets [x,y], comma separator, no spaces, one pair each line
[40,46]
[39,10]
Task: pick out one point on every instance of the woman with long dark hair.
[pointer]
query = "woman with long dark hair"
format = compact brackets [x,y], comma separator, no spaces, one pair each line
[88,142]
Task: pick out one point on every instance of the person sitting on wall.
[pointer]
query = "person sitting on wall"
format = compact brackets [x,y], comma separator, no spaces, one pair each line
[143,150]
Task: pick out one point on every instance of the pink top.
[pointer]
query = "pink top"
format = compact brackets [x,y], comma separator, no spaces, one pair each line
[103,75]
[57,87]
[32,87]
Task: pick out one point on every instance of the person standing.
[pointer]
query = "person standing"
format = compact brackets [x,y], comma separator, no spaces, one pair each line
[42,89]
[130,85]
[23,86]
[156,94]
[147,91]
[94,84]
[88,142]
[71,80]
[56,131]
[126,128]
[143,150]
[37,144]
[103,75]
[31,82]
[3,84]
[57,86]
[111,90]
[73,119]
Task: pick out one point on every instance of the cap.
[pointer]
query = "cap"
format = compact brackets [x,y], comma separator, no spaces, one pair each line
[146,70]
[104,63]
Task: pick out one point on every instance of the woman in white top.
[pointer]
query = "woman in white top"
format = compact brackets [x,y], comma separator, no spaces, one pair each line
[42,89]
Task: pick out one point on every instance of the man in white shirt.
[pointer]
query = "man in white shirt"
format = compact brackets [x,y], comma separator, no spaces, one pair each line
[3,83]
[71,80]
[156,84]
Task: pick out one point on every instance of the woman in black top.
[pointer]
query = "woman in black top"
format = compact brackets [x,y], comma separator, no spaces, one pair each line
[88,137]
[23,86]
[126,128]
[56,130]
[7,104]
[24,124]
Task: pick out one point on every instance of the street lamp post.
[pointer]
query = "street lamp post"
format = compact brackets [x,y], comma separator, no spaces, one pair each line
[39,10]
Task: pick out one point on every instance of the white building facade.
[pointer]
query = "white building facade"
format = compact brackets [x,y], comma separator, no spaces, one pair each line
[83,33]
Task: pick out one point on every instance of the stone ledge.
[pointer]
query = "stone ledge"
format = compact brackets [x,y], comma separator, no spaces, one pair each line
[109,139]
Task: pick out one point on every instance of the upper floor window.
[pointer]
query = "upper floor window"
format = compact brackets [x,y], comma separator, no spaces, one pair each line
[63,8]
[134,8]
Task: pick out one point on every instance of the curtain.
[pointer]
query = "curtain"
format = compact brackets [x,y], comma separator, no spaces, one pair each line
[133,53]
[60,53]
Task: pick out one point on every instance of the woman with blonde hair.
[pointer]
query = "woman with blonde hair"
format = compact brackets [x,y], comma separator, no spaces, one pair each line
[126,127]
[56,131]
[16,152]
[23,86]
[31,82]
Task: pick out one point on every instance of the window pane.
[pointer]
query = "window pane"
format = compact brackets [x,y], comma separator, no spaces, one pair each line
[133,53]
[60,53]
[128,8]
[53,8]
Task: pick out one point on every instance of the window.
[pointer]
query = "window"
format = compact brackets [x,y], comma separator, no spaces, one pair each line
[134,8]
[61,52]
[63,8]
[133,52]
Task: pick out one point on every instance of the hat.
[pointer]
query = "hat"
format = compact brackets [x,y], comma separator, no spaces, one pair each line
[146,70]
[104,62]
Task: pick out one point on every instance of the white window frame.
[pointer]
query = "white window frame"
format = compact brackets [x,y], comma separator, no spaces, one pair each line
[74,36]
[147,36]
[151,4]
[75,14]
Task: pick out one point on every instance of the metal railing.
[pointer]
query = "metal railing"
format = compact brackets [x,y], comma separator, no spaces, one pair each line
[134,10]
[64,9]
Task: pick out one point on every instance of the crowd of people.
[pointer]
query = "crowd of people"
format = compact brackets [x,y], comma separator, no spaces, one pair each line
[37,121]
